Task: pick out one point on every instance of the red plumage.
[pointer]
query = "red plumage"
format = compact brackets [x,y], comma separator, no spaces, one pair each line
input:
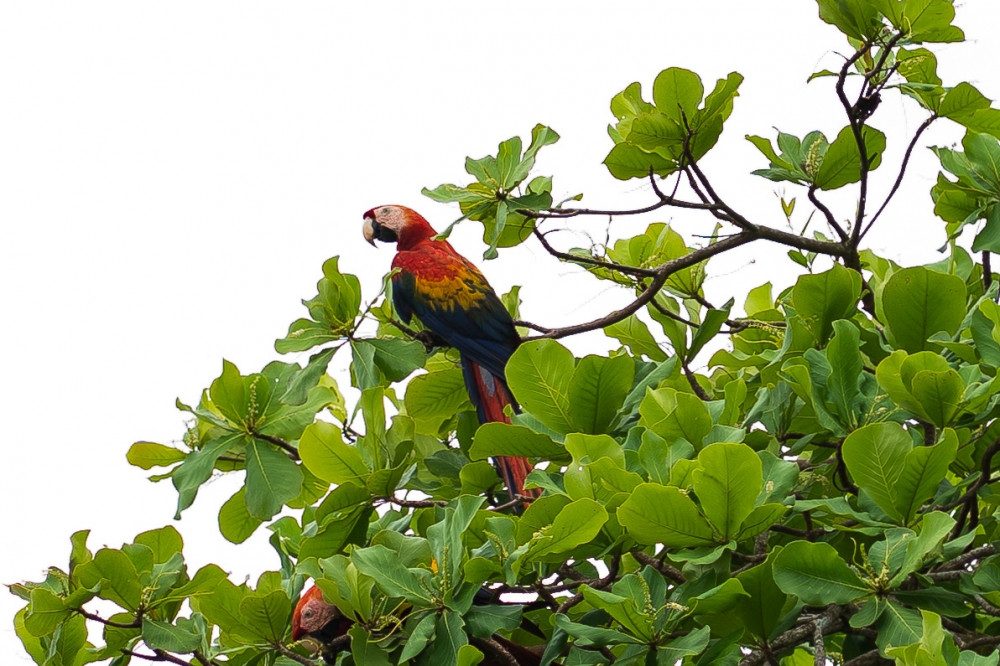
[454,301]
[313,617]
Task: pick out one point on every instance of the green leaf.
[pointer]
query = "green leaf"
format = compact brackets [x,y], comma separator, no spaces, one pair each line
[626,161]
[267,615]
[589,635]
[822,298]
[677,92]
[798,161]
[504,439]
[597,389]
[396,357]
[325,454]
[364,648]
[150,454]
[875,456]
[898,625]
[761,613]
[419,636]
[634,334]
[181,637]
[708,329]
[348,526]
[273,479]
[855,18]
[577,523]
[935,528]
[672,415]
[235,522]
[449,639]
[694,642]
[436,394]
[164,542]
[939,393]
[395,579]
[727,483]
[197,468]
[539,374]
[46,611]
[117,576]
[918,303]
[339,299]
[222,607]
[664,514]
[841,164]
[817,575]
[924,467]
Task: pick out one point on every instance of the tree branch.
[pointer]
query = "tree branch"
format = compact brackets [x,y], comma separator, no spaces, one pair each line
[293,453]
[590,261]
[134,624]
[821,207]
[285,652]
[597,585]
[493,647]
[828,622]
[670,572]
[663,271]
[158,655]
[902,171]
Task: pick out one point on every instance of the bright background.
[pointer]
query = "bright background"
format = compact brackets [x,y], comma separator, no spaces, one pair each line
[173,175]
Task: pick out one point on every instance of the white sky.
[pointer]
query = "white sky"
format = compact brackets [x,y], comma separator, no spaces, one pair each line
[173,175]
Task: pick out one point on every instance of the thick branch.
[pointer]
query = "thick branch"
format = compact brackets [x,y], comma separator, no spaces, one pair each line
[670,572]
[663,271]
[828,622]
[962,560]
[492,647]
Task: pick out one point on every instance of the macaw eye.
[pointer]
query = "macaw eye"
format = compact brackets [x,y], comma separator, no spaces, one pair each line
[308,613]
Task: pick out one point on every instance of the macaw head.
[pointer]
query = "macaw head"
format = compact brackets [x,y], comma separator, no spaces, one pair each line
[396,224]
[312,614]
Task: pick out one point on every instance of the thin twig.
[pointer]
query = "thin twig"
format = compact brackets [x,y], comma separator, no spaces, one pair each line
[590,261]
[305,661]
[134,624]
[830,220]
[902,171]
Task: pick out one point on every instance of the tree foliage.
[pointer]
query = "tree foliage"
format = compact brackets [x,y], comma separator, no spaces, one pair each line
[824,491]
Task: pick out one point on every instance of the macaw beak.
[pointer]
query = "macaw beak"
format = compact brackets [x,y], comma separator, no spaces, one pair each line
[369,230]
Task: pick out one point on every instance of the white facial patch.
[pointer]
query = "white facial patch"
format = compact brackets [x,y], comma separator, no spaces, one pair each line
[391,217]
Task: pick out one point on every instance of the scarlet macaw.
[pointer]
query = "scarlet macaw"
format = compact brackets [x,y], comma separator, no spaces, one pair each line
[324,622]
[454,301]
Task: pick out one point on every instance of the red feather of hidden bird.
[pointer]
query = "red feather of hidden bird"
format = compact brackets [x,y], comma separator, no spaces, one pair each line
[455,303]
[323,622]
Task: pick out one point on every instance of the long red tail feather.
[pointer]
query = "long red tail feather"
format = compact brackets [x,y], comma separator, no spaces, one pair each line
[494,397]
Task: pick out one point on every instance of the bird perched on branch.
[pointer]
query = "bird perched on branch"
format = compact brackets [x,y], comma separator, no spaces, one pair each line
[457,305]
[315,618]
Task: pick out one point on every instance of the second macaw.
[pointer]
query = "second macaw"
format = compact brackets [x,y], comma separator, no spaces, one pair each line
[453,300]
[327,626]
